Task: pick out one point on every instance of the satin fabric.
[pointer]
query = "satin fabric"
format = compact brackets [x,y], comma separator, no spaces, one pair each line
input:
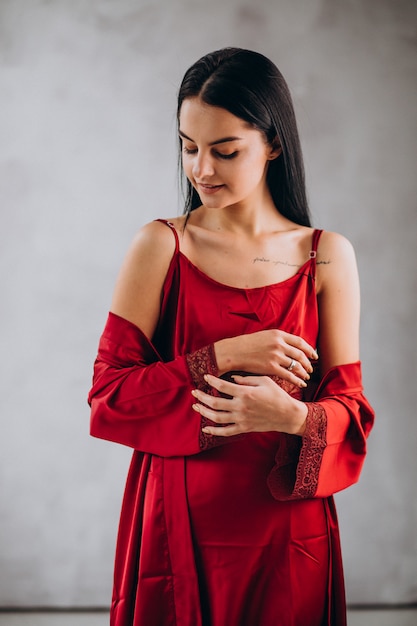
[239,532]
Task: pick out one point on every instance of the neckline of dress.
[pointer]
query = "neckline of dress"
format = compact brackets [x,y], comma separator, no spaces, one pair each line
[280,283]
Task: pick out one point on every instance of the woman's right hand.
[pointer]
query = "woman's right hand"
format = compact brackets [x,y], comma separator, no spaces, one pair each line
[267,352]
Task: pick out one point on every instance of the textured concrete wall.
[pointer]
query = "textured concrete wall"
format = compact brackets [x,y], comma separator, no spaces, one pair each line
[87,155]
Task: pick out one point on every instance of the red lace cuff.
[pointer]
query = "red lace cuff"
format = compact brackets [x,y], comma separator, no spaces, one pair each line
[296,472]
[202,362]
[311,453]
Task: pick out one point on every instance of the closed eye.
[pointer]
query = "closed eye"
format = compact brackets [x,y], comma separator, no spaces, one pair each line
[189,150]
[219,155]
[227,156]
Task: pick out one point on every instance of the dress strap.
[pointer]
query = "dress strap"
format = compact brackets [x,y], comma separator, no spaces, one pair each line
[313,252]
[172,227]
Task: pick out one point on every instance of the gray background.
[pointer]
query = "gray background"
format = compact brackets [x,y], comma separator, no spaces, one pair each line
[87,155]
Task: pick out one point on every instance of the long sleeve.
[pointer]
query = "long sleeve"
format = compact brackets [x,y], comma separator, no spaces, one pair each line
[138,400]
[330,455]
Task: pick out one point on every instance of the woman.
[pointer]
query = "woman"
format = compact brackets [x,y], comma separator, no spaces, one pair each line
[208,368]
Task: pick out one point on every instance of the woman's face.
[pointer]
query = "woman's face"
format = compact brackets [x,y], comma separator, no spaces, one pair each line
[224,158]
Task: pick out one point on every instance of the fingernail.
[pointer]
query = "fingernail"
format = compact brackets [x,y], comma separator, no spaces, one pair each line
[303,384]
[205,377]
[194,393]
[315,355]
[196,408]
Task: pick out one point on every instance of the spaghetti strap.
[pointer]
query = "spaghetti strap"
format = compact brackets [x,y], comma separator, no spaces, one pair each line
[172,227]
[313,252]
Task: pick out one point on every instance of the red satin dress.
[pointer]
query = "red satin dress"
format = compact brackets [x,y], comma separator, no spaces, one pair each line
[216,531]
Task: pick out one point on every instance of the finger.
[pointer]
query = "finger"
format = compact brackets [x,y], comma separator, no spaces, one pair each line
[225,431]
[297,361]
[296,374]
[213,402]
[251,381]
[219,417]
[221,385]
[302,346]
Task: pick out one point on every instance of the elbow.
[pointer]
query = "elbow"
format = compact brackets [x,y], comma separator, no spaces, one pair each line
[97,419]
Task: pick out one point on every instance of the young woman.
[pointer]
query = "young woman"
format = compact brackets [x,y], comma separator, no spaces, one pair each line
[230,363]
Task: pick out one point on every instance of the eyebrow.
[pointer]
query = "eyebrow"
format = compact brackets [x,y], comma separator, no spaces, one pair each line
[213,143]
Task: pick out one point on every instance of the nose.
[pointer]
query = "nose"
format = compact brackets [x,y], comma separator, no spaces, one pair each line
[202,166]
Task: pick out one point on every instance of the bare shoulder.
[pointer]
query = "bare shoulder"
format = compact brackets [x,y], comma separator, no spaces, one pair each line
[334,244]
[155,239]
[150,252]
[143,273]
[336,260]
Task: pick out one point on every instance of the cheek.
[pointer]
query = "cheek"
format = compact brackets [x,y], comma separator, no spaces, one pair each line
[253,170]
[187,166]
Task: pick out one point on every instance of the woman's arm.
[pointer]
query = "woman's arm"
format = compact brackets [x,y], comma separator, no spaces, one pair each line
[339,302]
[136,399]
[330,455]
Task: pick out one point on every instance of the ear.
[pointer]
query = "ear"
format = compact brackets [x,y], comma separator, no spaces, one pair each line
[275,149]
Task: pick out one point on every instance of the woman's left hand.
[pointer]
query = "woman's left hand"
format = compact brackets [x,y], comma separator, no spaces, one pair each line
[257,404]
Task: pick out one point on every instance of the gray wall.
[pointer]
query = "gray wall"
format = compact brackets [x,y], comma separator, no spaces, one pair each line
[87,155]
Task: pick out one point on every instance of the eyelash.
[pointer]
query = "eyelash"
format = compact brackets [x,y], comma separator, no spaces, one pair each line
[232,155]
[226,157]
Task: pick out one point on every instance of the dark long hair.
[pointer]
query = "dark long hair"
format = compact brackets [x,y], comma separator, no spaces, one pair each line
[250,86]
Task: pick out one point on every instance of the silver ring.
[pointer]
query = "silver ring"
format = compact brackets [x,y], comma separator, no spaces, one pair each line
[291,365]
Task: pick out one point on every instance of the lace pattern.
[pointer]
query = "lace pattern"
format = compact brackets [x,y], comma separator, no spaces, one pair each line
[293,390]
[311,453]
[298,460]
[202,362]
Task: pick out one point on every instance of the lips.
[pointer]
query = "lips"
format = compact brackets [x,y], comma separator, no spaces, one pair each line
[209,189]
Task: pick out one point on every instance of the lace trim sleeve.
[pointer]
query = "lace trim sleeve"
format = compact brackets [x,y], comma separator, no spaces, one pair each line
[298,460]
[311,453]
[202,362]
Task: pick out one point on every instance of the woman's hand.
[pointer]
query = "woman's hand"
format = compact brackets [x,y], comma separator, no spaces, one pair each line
[269,352]
[255,404]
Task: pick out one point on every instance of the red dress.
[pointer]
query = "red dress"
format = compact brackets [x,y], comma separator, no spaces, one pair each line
[238,531]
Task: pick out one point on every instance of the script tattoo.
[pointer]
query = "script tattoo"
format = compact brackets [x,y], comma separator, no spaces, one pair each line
[262,259]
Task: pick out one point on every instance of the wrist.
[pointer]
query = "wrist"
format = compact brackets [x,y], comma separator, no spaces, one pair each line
[299,417]
[224,359]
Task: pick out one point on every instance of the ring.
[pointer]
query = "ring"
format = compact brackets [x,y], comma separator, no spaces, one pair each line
[291,365]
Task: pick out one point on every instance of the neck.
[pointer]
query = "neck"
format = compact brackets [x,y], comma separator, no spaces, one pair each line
[246,218]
